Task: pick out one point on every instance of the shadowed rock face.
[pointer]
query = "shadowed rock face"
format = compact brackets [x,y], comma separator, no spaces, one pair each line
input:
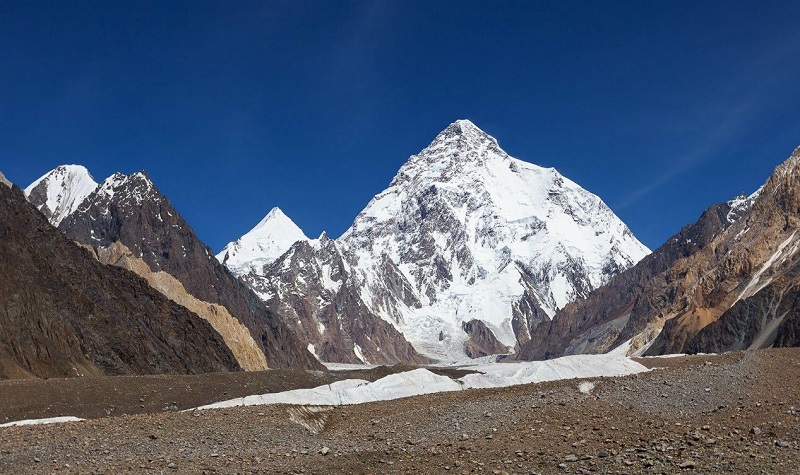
[482,341]
[130,210]
[65,314]
[726,282]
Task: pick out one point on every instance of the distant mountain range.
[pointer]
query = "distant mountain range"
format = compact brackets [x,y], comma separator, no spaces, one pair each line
[469,252]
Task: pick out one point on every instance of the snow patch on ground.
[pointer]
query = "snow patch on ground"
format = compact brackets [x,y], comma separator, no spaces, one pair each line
[49,420]
[346,366]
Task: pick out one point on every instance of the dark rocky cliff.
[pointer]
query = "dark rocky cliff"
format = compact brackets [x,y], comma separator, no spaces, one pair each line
[65,314]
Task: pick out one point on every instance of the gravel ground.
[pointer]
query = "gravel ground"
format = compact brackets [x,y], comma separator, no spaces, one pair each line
[735,413]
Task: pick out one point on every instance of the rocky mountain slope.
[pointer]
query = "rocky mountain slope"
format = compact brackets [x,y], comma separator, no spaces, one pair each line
[65,314]
[468,248]
[58,193]
[312,288]
[726,282]
[126,215]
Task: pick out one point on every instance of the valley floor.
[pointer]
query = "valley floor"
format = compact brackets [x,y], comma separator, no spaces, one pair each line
[733,413]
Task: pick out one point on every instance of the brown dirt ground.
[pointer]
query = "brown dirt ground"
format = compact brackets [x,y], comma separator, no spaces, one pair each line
[735,413]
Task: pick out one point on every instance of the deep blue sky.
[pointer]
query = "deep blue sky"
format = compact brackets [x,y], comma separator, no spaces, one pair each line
[660,108]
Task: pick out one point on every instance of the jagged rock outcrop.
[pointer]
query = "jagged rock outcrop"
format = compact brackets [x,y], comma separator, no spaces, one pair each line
[466,232]
[4,180]
[65,314]
[129,209]
[724,283]
[481,341]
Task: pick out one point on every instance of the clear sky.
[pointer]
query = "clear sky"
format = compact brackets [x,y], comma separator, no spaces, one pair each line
[660,108]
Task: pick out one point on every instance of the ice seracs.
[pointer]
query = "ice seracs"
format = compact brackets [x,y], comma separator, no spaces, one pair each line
[59,192]
[270,238]
[422,381]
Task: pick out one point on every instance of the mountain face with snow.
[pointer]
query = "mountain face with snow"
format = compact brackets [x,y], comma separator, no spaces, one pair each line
[727,282]
[127,219]
[313,290]
[468,249]
[59,192]
[65,314]
[270,238]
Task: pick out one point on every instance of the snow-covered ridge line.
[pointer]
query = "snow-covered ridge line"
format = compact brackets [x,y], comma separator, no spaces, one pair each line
[421,381]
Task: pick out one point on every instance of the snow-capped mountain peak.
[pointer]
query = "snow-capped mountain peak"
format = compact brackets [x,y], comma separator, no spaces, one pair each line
[270,238]
[59,192]
[478,234]
[465,252]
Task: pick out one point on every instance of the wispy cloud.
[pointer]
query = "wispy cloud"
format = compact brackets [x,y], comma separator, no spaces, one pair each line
[736,119]
[730,120]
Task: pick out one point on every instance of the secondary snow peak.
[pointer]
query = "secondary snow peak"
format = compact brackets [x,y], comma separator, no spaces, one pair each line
[270,238]
[59,192]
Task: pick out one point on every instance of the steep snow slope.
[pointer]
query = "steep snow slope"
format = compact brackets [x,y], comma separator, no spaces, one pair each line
[478,234]
[270,238]
[59,192]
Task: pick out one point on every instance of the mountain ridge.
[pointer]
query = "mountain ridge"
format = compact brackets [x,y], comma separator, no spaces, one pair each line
[65,314]
[704,290]
[129,209]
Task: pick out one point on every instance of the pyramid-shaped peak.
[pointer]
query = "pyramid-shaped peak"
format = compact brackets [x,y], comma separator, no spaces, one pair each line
[74,169]
[464,127]
[58,192]
[118,179]
[63,174]
[275,218]
[275,213]
[136,187]
[270,238]
[462,134]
